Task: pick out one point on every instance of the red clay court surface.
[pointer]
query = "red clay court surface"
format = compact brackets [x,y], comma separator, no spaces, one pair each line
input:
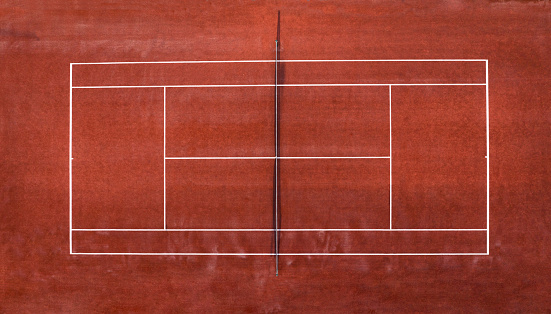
[412,153]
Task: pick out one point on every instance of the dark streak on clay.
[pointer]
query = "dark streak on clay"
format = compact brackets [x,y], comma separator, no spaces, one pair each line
[18,35]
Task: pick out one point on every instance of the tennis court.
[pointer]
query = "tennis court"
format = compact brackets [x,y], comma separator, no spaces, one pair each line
[175,164]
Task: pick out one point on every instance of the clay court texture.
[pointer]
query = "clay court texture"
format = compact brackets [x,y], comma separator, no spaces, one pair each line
[207,148]
[157,157]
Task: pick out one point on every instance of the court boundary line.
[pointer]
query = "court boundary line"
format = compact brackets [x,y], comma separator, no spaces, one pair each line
[164,157]
[71,159]
[273,85]
[284,254]
[487,163]
[390,151]
[268,229]
[282,61]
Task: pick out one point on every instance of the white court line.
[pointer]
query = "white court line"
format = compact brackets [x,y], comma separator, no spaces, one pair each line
[172,86]
[273,85]
[285,254]
[270,61]
[219,158]
[383,84]
[390,150]
[164,157]
[279,157]
[487,163]
[337,157]
[71,158]
[290,230]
